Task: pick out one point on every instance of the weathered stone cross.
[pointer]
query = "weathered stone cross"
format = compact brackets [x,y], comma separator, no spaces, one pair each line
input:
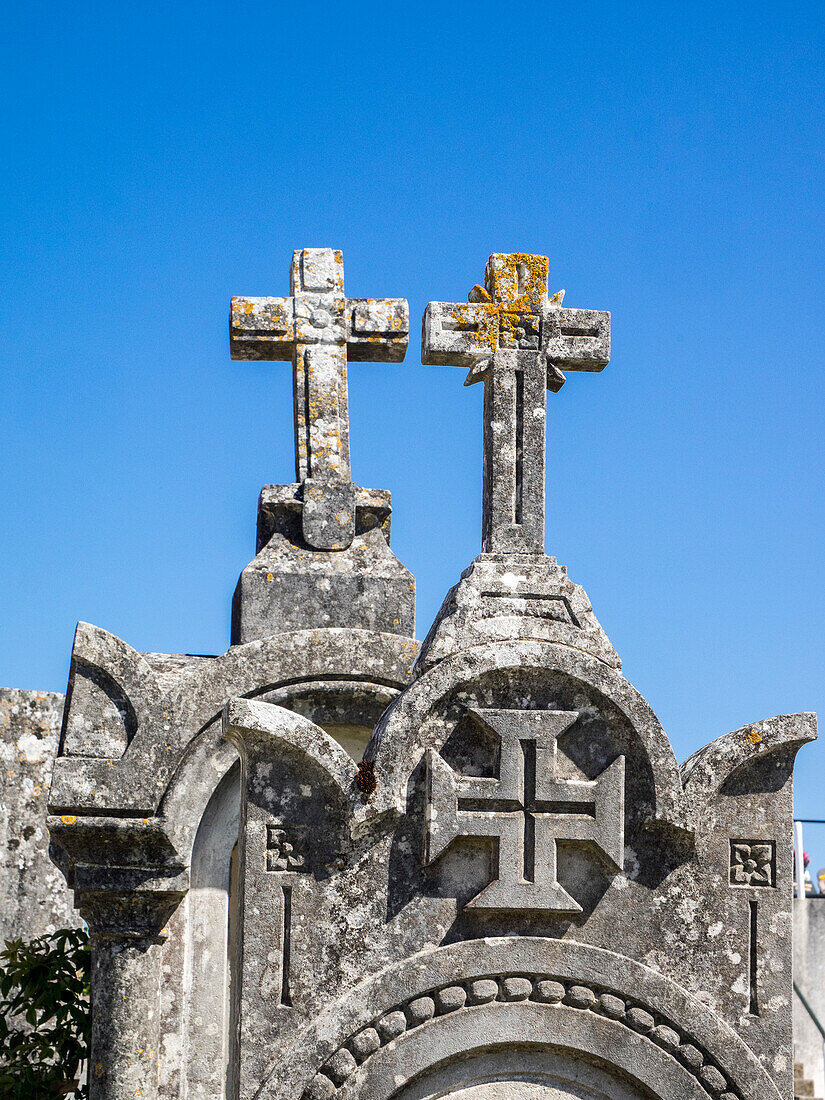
[319,329]
[526,810]
[515,339]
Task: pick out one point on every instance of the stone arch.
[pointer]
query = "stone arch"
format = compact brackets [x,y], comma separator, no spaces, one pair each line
[519,1073]
[398,744]
[520,991]
[642,1069]
[201,815]
[168,723]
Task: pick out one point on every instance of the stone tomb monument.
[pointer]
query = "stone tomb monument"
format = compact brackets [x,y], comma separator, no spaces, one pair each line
[515,893]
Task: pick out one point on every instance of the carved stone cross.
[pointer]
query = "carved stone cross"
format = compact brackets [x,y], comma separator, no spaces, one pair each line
[526,810]
[515,339]
[320,329]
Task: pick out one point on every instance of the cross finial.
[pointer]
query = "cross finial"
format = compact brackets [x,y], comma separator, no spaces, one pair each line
[515,338]
[320,329]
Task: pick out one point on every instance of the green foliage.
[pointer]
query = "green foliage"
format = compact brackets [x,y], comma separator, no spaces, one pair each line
[45,1021]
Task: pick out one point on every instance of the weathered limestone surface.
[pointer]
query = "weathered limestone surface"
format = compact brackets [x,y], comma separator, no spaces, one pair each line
[503,597]
[323,554]
[315,867]
[290,585]
[33,895]
[515,339]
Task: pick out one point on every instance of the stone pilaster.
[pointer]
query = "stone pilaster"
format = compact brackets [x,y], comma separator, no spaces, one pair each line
[127,883]
[127,937]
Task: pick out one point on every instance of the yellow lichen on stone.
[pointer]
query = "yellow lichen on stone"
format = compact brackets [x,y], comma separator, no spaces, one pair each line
[517,279]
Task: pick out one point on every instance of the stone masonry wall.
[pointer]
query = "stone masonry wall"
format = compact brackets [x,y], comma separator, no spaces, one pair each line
[34,898]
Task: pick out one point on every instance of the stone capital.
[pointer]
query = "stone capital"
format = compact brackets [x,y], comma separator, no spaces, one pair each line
[126,875]
[139,915]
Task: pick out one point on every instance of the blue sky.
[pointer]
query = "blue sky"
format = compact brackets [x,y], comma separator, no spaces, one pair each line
[669,159]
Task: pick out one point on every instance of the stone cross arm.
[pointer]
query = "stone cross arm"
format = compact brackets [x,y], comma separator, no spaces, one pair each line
[517,340]
[512,311]
[526,809]
[463,335]
[373,329]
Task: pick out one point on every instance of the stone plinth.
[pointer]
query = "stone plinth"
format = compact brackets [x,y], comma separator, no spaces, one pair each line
[504,597]
[290,585]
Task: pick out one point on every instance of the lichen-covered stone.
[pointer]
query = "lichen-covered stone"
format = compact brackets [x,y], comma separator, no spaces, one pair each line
[312,868]
[515,339]
[549,992]
[33,895]
[323,556]
[290,585]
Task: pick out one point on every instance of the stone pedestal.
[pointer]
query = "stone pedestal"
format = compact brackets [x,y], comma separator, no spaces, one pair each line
[505,597]
[290,585]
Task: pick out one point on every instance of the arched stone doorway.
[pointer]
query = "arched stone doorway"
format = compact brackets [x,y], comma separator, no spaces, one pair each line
[518,1074]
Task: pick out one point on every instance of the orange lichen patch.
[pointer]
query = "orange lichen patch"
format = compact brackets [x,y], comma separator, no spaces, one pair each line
[478,322]
[754,736]
[516,285]
[518,279]
[68,819]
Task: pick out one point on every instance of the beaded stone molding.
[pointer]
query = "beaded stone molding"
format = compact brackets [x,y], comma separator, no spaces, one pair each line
[511,988]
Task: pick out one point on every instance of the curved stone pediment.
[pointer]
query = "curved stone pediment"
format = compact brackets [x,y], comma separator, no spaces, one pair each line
[162,708]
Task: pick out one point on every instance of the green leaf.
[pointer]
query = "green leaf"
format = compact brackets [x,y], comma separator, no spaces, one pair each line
[45,1023]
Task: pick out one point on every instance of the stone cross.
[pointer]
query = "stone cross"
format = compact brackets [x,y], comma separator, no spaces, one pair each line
[526,810]
[515,339]
[320,330]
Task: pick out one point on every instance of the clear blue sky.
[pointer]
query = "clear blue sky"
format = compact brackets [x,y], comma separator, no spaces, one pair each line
[669,159]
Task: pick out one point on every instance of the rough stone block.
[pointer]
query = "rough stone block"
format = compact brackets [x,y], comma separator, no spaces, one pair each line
[34,899]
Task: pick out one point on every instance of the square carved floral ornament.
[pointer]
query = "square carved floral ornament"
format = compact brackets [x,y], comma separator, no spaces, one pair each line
[752,863]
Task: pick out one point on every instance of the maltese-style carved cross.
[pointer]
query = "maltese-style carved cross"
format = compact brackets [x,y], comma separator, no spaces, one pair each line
[526,810]
[516,340]
[320,329]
